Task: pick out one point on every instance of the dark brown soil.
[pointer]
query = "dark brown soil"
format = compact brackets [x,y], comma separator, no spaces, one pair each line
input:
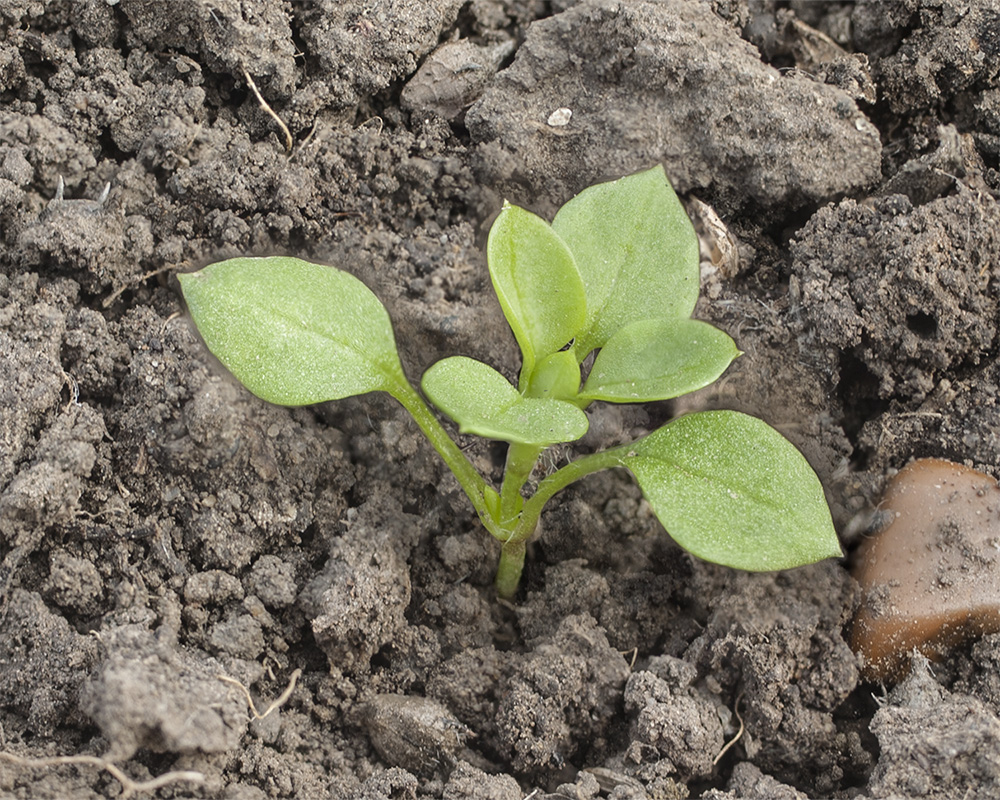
[160,527]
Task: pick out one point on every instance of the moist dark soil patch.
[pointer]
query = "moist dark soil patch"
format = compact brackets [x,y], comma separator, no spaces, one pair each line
[160,527]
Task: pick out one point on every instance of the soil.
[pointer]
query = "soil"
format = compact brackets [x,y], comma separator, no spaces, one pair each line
[160,527]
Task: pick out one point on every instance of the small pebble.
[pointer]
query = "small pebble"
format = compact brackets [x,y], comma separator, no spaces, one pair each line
[416,733]
[560,117]
[931,578]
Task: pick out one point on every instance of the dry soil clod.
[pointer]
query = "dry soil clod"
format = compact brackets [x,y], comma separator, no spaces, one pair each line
[929,578]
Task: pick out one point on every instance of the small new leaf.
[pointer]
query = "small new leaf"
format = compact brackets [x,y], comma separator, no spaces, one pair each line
[732,490]
[635,250]
[292,332]
[658,359]
[537,283]
[557,375]
[482,402]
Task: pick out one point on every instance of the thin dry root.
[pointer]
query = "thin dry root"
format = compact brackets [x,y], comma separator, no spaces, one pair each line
[279,701]
[129,786]
[132,284]
[264,105]
[739,733]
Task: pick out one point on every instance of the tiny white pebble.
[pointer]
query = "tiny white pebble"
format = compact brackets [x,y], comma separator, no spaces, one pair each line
[560,117]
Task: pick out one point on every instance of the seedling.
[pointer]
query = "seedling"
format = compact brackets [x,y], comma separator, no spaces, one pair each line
[617,273]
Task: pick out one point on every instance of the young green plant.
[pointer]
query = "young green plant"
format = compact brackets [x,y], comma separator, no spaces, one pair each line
[616,272]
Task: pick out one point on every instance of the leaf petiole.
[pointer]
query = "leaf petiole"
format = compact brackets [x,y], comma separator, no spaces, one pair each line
[512,553]
[468,476]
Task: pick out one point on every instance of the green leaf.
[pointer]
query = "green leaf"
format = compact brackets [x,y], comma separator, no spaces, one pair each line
[657,359]
[557,375]
[537,283]
[292,332]
[731,490]
[635,249]
[482,401]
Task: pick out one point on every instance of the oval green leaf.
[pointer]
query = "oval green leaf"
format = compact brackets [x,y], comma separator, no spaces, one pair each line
[537,282]
[293,332]
[556,375]
[635,250]
[483,402]
[731,490]
[657,359]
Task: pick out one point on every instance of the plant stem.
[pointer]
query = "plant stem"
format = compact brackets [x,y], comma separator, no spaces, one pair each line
[521,460]
[509,569]
[512,554]
[560,479]
[512,519]
[467,475]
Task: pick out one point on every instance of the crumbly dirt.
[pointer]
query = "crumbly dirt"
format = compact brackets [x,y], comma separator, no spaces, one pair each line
[160,527]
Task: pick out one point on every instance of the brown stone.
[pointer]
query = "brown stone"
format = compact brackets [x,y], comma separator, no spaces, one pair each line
[929,578]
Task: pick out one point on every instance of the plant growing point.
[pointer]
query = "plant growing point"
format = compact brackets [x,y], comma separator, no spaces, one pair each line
[616,272]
